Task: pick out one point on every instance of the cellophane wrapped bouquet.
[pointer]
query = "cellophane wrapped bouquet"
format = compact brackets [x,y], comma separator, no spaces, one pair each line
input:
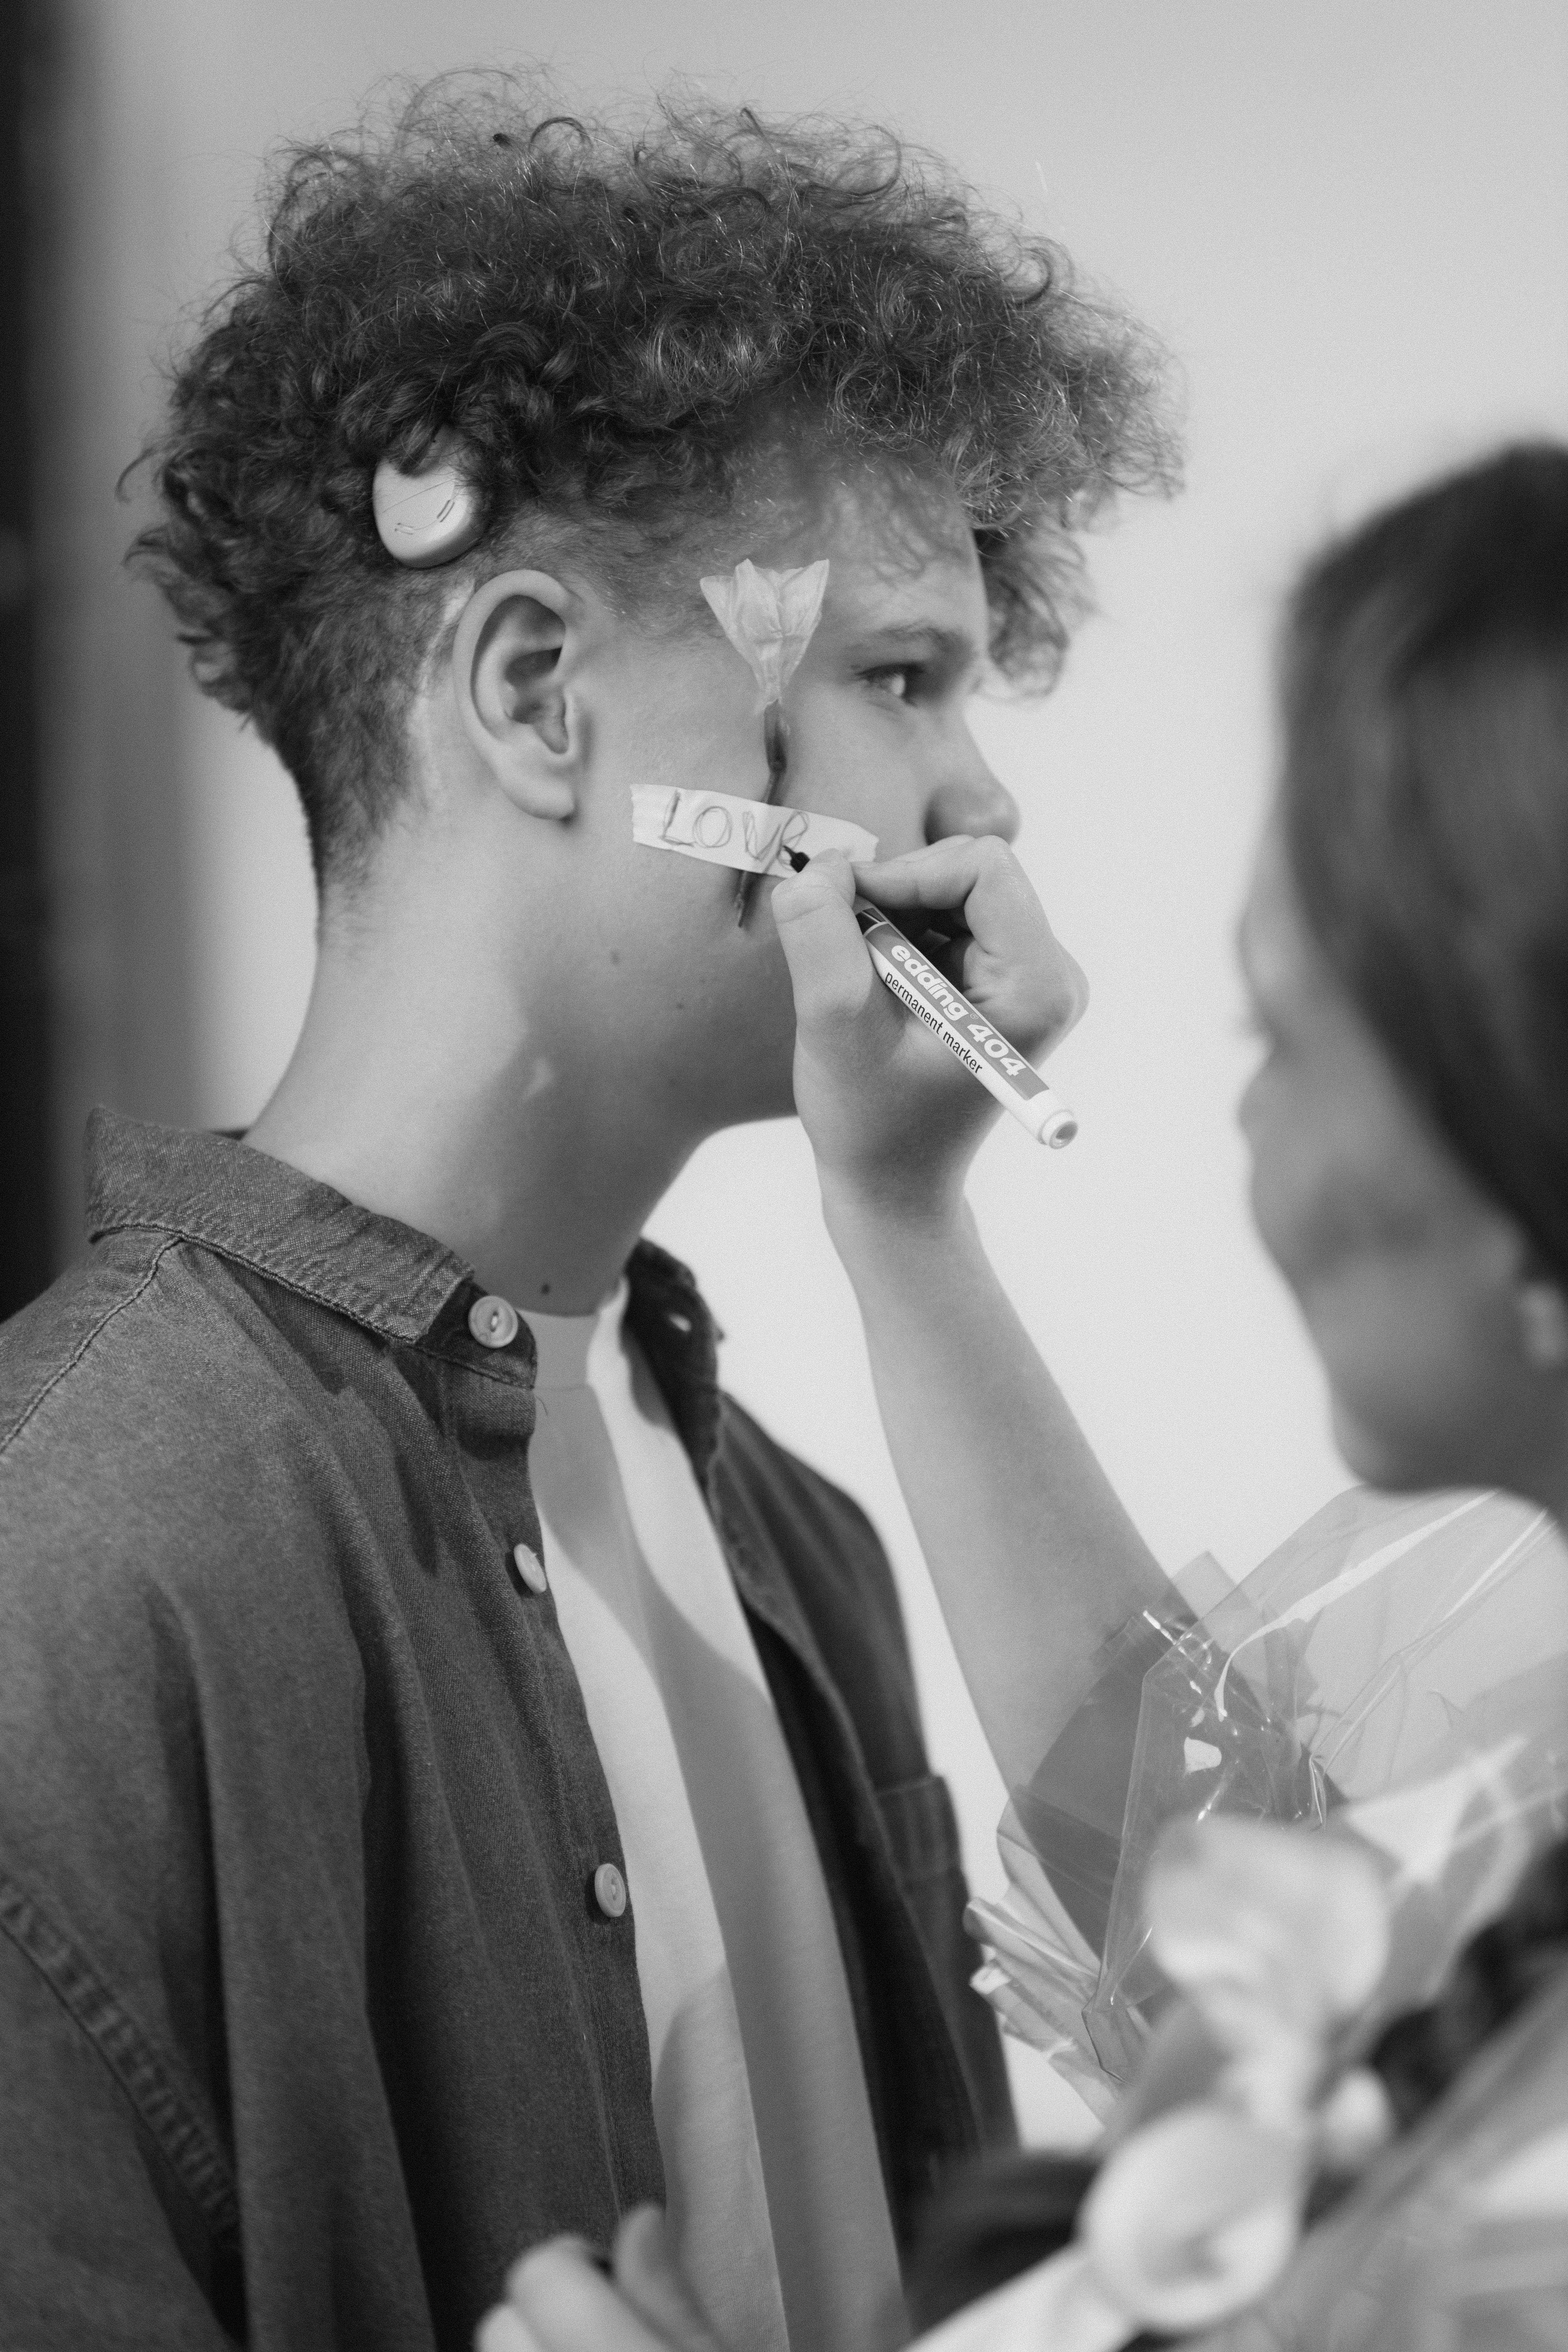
[1395,1674]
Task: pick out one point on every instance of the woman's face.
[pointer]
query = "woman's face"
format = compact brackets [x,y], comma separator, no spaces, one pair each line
[1409,1276]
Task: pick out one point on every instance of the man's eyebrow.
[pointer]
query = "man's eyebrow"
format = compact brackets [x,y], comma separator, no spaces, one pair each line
[954,645]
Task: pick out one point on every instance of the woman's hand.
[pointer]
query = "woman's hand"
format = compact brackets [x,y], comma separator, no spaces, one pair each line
[560,2298]
[893,1115]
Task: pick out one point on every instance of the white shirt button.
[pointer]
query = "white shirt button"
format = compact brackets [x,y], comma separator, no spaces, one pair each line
[609,1890]
[530,1568]
[493,1321]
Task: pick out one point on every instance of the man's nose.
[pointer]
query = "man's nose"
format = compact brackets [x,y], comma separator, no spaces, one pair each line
[976,801]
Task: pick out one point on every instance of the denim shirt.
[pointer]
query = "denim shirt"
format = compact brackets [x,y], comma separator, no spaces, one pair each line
[310,2021]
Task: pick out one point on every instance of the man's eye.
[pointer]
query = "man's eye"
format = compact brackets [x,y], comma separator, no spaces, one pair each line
[896,679]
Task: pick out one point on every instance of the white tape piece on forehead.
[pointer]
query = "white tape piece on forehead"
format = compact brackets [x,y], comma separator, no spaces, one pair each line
[752,836]
[770,618]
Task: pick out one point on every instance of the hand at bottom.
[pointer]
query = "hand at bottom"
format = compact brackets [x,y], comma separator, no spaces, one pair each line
[559,2298]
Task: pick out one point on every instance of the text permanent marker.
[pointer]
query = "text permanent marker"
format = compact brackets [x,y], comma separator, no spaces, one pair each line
[964,1029]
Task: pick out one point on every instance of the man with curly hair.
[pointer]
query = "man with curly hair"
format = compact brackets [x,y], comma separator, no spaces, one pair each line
[462,1777]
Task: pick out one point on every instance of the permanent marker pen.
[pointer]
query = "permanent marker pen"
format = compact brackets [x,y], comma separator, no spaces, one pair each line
[964,1029]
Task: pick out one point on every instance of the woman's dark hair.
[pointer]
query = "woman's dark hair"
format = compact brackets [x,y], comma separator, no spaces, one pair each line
[608,316]
[1426,808]
[1425,816]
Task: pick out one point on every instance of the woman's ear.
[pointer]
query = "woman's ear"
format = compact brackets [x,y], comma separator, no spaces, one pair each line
[512,645]
[1541,1307]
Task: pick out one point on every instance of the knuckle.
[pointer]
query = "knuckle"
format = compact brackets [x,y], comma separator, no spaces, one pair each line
[841,1008]
[829,1002]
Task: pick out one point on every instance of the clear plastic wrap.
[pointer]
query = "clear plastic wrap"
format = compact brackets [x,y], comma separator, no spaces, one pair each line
[1398,1668]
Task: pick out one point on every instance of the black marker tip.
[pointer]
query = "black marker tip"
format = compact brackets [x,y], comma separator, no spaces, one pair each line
[798,859]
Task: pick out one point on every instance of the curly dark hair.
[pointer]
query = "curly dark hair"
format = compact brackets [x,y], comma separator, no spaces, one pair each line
[605,317]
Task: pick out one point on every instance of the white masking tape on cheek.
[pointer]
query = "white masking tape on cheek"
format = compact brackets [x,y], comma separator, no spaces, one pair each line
[749,835]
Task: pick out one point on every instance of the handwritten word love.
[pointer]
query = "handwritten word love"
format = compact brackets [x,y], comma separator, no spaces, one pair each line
[722,829]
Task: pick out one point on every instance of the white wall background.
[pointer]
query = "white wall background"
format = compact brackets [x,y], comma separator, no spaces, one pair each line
[1350,220]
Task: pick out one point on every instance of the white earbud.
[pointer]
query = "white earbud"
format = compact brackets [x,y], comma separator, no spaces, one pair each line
[427,518]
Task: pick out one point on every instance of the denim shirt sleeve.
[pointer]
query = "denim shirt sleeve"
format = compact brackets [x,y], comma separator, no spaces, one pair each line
[104,2245]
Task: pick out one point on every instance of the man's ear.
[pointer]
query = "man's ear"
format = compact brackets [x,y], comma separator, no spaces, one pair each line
[512,645]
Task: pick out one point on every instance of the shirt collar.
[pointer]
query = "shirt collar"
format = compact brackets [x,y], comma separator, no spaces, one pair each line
[246,1206]
[398,1281]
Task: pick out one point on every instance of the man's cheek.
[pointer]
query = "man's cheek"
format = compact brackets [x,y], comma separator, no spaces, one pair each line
[838,766]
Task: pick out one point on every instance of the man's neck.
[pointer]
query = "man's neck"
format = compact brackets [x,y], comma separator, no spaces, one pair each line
[428,1090]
